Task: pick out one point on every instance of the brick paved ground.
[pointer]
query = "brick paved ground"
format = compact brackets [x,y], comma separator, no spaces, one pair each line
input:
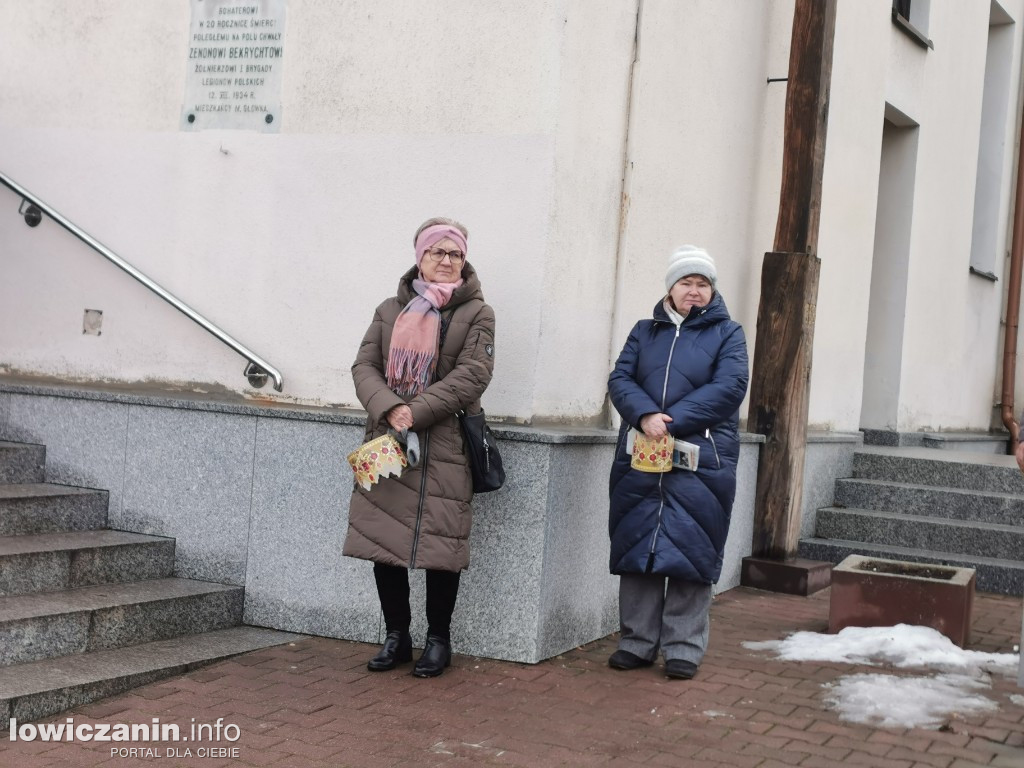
[314,704]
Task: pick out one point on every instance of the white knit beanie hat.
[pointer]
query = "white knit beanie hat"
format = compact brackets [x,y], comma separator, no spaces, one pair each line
[690,260]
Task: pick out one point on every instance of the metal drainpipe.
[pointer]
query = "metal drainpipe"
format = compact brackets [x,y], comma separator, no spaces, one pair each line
[1013,300]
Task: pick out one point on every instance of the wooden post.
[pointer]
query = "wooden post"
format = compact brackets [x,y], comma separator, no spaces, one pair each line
[789,289]
[778,397]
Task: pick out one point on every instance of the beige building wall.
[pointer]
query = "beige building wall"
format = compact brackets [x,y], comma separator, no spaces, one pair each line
[580,140]
[509,117]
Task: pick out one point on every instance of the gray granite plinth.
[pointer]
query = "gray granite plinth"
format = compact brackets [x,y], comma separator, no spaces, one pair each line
[881,437]
[1020,648]
[5,409]
[85,440]
[741,524]
[828,456]
[579,598]
[259,495]
[504,586]
[296,578]
[538,579]
[189,475]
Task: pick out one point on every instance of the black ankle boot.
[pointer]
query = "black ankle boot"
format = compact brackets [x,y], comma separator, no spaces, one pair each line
[437,654]
[397,649]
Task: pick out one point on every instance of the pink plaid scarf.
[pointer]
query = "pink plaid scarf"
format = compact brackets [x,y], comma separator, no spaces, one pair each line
[412,356]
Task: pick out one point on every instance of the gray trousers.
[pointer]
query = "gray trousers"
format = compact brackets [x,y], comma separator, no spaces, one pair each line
[675,619]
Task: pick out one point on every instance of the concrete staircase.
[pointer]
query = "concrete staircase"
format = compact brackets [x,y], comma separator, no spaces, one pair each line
[87,612]
[926,505]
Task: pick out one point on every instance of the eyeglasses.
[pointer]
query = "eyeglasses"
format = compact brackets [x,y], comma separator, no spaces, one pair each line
[437,256]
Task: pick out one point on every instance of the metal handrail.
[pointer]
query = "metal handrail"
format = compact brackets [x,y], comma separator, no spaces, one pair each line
[257,370]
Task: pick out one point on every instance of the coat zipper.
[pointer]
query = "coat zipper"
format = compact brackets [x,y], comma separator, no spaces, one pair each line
[661,477]
[709,436]
[442,333]
[423,495]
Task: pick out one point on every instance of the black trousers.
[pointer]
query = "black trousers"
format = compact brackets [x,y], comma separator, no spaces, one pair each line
[393,591]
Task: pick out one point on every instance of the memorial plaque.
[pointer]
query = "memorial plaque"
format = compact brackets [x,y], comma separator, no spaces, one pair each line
[235,54]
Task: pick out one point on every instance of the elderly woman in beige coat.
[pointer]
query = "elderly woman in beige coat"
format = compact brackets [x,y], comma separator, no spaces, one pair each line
[428,354]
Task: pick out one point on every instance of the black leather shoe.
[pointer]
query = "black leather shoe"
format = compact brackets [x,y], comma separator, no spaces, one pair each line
[437,654]
[626,660]
[680,669]
[397,649]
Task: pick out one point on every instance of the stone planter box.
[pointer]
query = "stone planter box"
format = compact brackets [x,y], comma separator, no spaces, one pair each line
[872,592]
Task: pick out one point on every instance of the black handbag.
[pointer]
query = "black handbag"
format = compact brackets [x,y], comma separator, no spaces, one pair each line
[481,447]
[482,452]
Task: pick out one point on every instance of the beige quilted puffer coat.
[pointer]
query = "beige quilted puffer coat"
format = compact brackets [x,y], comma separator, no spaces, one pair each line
[423,518]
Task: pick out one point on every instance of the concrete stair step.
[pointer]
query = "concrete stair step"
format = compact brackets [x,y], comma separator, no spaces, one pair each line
[37,689]
[917,532]
[48,562]
[996,575]
[50,624]
[913,499]
[947,469]
[983,442]
[27,508]
[22,462]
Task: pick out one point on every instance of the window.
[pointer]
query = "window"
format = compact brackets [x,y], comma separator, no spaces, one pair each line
[911,16]
[988,240]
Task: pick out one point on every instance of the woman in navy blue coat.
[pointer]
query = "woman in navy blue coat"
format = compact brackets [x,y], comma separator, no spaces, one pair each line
[684,372]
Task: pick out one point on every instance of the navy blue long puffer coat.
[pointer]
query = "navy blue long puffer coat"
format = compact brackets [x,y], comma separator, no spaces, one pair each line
[675,524]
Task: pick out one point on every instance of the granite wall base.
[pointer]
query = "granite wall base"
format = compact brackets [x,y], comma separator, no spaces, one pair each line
[258,496]
[828,457]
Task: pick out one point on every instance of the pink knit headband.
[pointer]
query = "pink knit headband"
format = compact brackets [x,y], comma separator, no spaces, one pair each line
[435,234]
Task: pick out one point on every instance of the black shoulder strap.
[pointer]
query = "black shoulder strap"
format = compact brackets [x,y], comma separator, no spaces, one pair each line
[446,319]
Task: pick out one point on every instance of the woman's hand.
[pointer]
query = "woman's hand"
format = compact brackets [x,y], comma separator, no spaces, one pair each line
[400,417]
[653,424]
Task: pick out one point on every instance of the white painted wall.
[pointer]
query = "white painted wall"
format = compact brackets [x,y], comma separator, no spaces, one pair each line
[887,308]
[848,204]
[697,171]
[514,119]
[952,319]
[989,215]
[391,114]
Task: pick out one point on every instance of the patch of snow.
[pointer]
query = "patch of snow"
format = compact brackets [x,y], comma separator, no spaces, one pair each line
[900,646]
[889,701]
[893,701]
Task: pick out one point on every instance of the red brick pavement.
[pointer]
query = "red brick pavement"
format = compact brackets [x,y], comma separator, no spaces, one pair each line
[312,703]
